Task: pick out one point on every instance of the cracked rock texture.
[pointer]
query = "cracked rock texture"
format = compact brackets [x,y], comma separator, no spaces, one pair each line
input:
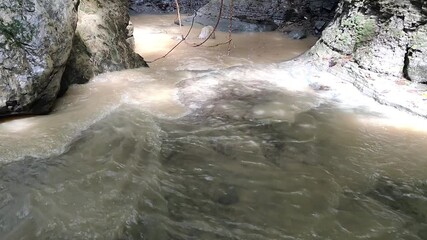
[416,68]
[47,45]
[379,47]
[35,42]
[103,41]
[385,37]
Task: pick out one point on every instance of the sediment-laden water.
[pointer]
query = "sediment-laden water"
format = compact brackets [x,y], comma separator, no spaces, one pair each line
[238,150]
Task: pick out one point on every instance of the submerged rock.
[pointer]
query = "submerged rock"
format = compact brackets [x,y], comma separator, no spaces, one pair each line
[402,197]
[228,196]
[35,42]
[406,198]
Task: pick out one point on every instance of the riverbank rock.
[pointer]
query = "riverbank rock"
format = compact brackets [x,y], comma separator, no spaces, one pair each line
[378,46]
[35,42]
[404,197]
[103,42]
[378,35]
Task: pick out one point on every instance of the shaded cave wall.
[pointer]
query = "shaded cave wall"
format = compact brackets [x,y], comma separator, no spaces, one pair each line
[309,15]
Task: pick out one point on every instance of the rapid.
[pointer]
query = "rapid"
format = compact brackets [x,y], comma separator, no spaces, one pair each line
[206,145]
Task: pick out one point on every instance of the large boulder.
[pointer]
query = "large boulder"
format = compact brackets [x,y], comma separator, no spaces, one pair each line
[35,43]
[103,42]
[375,45]
[382,36]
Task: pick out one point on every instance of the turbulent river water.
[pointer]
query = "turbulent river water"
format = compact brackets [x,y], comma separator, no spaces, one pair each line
[203,145]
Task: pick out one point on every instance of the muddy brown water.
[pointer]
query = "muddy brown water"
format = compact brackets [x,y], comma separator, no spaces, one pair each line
[208,146]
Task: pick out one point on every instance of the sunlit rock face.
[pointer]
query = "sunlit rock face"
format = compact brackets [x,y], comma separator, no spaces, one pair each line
[386,37]
[416,68]
[103,41]
[35,42]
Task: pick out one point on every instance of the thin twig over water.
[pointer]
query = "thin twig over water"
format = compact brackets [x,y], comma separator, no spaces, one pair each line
[182,40]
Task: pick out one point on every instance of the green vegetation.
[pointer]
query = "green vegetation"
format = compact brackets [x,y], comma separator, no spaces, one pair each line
[15,32]
[364,27]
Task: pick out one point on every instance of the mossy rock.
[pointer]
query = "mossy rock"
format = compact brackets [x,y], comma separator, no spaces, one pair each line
[361,26]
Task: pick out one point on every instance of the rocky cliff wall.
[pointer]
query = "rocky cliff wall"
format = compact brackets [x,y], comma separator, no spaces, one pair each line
[379,47]
[386,37]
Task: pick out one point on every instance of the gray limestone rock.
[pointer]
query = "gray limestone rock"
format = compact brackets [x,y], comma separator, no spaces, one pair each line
[103,42]
[384,51]
[35,42]
[416,69]
[384,37]
[297,34]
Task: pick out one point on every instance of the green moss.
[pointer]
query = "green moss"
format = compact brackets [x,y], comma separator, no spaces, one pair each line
[345,38]
[364,27]
[15,32]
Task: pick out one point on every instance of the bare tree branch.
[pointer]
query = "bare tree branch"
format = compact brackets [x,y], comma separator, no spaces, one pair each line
[182,40]
[230,27]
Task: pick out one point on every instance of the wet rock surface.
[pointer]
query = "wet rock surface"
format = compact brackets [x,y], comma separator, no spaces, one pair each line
[297,34]
[378,48]
[35,42]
